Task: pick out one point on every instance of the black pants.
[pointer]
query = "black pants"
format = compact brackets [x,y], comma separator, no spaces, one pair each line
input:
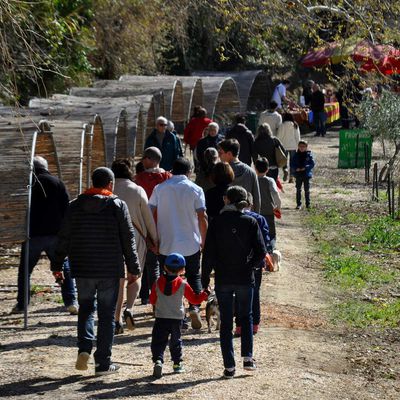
[300,180]
[162,329]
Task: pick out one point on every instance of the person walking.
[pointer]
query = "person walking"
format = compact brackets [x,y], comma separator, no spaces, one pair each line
[178,206]
[244,136]
[317,106]
[166,141]
[167,296]
[244,175]
[265,145]
[195,128]
[271,117]
[98,237]
[48,206]
[234,247]
[289,136]
[145,232]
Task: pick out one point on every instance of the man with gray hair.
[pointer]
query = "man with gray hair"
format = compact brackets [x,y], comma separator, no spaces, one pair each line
[98,237]
[49,203]
[166,141]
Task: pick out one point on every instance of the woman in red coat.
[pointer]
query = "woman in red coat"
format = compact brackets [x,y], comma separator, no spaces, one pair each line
[194,129]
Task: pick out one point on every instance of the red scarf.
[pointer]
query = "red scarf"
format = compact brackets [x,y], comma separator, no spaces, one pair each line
[92,191]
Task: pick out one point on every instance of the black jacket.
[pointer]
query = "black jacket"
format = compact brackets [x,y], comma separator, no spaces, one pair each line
[49,203]
[202,145]
[246,140]
[215,200]
[98,237]
[234,247]
[317,103]
[265,147]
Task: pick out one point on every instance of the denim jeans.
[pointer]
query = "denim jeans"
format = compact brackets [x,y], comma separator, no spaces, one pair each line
[106,293]
[289,155]
[192,270]
[37,245]
[320,123]
[162,329]
[302,179]
[244,295]
[256,300]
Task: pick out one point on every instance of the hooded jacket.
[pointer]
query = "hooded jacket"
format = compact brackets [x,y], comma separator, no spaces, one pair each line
[234,247]
[247,178]
[302,160]
[98,237]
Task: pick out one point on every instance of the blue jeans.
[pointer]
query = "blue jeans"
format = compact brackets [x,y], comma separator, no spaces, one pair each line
[244,295]
[37,245]
[106,293]
[320,122]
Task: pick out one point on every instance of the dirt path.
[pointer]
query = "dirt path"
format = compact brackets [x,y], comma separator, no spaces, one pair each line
[299,355]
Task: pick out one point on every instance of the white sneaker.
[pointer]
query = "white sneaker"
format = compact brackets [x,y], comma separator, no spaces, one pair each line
[73,309]
[82,361]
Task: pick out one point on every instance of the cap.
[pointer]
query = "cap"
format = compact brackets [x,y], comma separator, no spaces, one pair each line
[175,261]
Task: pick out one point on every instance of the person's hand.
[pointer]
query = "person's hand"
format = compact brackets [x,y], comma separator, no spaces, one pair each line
[132,278]
[59,277]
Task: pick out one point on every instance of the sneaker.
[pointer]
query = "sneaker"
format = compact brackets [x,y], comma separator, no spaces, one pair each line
[285,175]
[73,309]
[185,324]
[157,370]
[298,208]
[249,365]
[229,374]
[195,317]
[17,309]
[238,331]
[255,329]
[112,369]
[291,180]
[119,329]
[178,368]
[82,361]
[128,318]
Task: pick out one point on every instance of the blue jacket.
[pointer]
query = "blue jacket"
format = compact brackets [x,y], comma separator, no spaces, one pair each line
[307,162]
[170,148]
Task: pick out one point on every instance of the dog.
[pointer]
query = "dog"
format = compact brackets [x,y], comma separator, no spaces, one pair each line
[276,260]
[212,309]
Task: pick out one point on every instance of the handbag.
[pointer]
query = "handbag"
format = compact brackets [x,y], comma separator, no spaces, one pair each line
[281,159]
[149,241]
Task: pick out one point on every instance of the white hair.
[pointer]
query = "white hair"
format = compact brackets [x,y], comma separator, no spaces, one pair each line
[161,119]
[170,126]
[40,163]
[213,125]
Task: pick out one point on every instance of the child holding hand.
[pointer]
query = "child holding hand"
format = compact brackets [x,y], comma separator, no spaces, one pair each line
[167,296]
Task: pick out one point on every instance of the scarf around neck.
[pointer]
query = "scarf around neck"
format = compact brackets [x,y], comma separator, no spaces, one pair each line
[93,191]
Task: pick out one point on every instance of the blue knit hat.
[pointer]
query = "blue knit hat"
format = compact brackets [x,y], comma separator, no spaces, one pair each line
[175,261]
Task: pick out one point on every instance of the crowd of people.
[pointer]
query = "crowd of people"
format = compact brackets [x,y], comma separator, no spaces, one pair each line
[139,228]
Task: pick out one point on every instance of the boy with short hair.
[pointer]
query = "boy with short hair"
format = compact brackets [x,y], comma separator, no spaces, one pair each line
[270,199]
[301,166]
[167,295]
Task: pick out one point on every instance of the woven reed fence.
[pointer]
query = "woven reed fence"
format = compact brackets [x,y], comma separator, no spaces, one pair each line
[20,140]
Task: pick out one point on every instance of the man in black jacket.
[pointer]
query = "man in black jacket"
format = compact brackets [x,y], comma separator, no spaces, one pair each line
[49,203]
[244,136]
[97,235]
[234,247]
[317,106]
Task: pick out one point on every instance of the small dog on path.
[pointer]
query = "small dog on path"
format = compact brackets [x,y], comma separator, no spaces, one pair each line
[276,260]
[212,310]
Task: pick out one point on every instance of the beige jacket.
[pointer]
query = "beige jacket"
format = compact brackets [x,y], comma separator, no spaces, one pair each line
[136,199]
[289,135]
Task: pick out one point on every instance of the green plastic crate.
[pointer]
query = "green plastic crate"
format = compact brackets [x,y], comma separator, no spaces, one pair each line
[353,150]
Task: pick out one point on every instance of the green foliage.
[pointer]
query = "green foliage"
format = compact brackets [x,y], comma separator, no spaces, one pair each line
[382,233]
[352,272]
[380,117]
[362,314]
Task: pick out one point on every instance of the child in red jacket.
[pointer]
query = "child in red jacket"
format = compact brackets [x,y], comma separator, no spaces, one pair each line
[167,295]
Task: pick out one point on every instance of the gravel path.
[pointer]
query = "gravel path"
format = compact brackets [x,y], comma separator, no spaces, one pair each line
[299,355]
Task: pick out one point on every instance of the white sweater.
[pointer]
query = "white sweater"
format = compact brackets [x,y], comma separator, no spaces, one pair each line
[289,135]
[273,119]
[136,199]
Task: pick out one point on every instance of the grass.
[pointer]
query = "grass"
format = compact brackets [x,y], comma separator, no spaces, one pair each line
[382,233]
[363,314]
[352,272]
